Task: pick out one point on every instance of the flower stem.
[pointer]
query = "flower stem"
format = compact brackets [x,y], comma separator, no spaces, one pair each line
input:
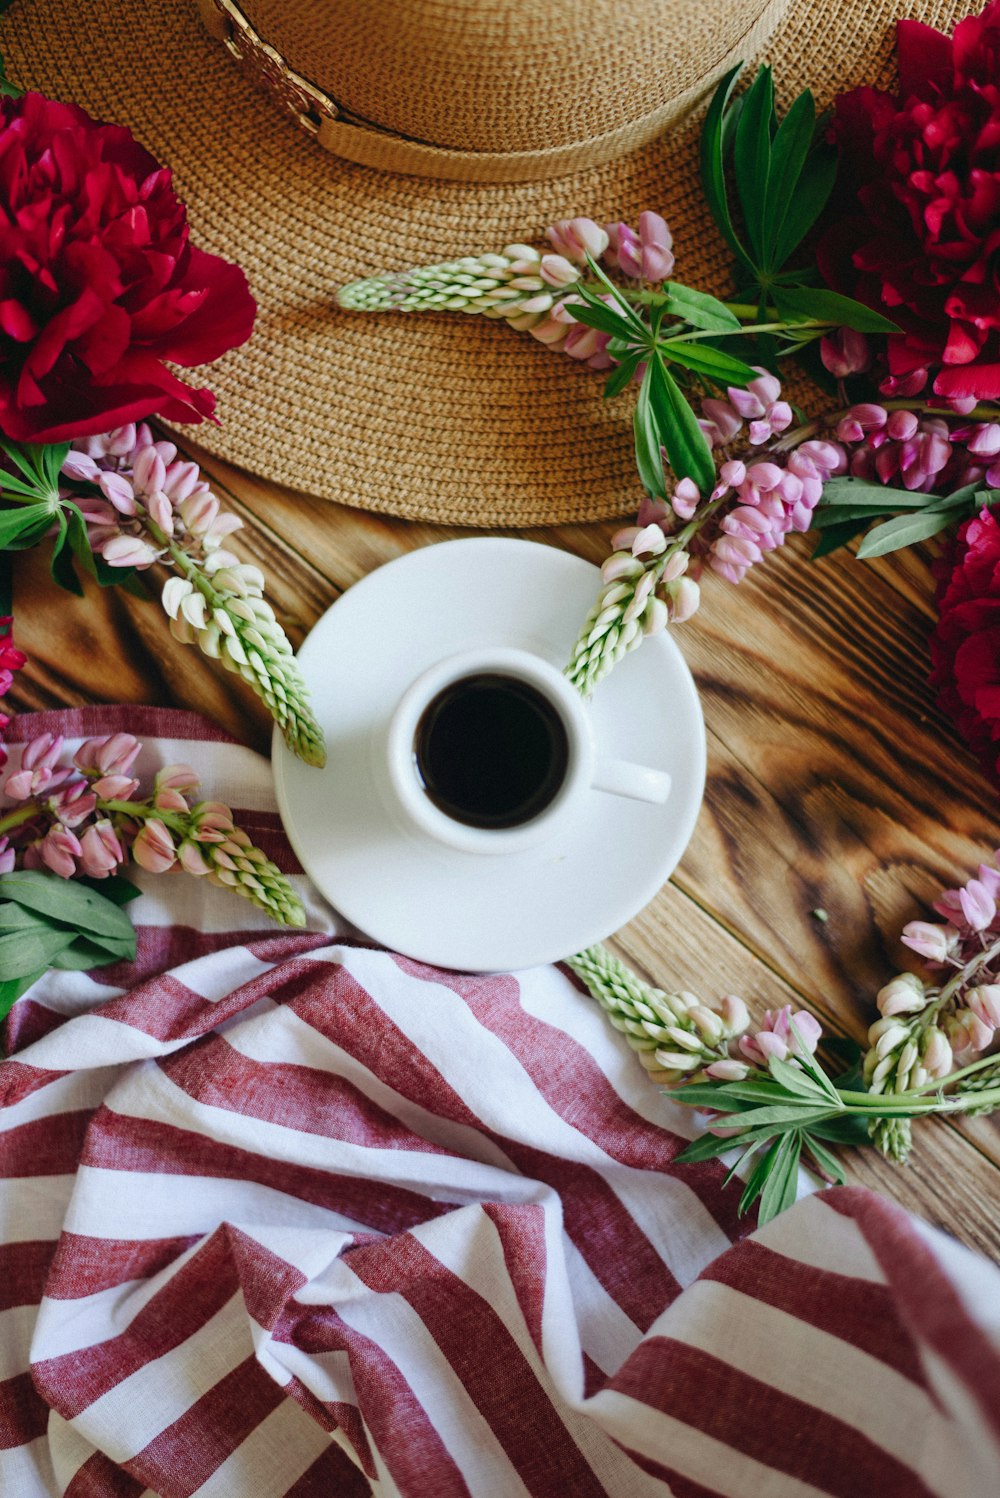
[21,815]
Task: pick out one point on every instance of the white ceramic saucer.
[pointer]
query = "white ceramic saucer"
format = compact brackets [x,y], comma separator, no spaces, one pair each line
[447,907]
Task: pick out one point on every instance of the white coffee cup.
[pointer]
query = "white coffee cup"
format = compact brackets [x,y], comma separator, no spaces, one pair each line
[587,769]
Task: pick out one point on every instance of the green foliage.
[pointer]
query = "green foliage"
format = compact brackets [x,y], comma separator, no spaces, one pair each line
[48,922]
[31,486]
[848,505]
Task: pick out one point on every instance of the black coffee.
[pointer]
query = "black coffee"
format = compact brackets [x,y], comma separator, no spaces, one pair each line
[491,750]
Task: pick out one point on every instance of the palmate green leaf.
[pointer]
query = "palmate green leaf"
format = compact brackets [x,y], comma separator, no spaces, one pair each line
[814,303]
[21,457]
[686,445]
[794,1079]
[758,1176]
[16,524]
[68,901]
[61,562]
[752,157]
[807,1061]
[597,314]
[699,309]
[829,1166]
[788,156]
[628,312]
[905,530]
[781,1183]
[714,150]
[848,1128]
[812,191]
[620,378]
[648,458]
[721,367]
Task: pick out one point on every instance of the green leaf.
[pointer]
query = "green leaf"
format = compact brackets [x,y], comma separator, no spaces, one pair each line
[718,366]
[82,955]
[758,1178]
[16,918]
[859,492]
[788,156]
[806,203]
[813,304]
[23,952]
[834,515]
[793,1112]
[629,314]
[648,458]
[619,379]
[597,314]
[782,1180]
[14,523]
[807,1061]
[687,448]
[829,1166]
[11,990]
[715,141]
[905,530]
[115,888]
[707,1147]
[699,309]
[752,157]
[835,536]
[794,1079]
[68,901]
[61,563]
[849,1128]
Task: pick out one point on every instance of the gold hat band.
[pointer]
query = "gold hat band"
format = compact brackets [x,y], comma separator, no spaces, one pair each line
[366,144]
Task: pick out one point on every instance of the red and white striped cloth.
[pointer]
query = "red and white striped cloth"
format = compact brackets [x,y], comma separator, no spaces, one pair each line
[285,1216]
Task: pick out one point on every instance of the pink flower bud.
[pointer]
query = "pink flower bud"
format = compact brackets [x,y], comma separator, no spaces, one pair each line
[576,238]
[685,498]
[116,488]
[722,420]
[582,342]
[148,471]
[978,905]
[7,856]
[128,551]
[901,426]
[904,994]
[936,1054]
[620,564]
[845,352]
[728,1071]
[684,600]
[198,510]
[192,860]
[556,270]
[161,511]
[677,566]
[904,385]
[115,787]
[169,800]
[733,473]
[79,467]
[115,754]
[77,808]
[180,481]
[967,1033]
[100,851]
[176,778]
[153,848]
[766,387]
[43,752]
[650,541]
[58,849]
[936,943]
[985,440]
[735,1016]
[984,1001]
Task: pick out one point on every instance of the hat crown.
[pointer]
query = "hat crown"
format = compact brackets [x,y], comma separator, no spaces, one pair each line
[503,75]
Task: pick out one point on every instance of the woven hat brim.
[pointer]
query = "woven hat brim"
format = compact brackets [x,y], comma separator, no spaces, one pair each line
[436,417]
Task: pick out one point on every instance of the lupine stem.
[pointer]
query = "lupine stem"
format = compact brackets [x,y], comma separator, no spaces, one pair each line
[21,815]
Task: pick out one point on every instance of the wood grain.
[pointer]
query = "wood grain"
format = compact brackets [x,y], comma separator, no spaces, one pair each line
[838,800]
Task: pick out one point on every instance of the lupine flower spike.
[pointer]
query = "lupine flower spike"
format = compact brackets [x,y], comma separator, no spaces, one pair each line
[86,817]
[142,505]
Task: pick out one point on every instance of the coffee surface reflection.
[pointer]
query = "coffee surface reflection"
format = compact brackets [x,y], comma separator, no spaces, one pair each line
[491,750]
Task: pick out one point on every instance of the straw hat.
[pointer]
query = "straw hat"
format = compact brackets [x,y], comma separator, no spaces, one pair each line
[459,125]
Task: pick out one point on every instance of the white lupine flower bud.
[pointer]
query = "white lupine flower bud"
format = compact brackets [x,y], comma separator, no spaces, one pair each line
[904,994]
[708,1023]
[175,590]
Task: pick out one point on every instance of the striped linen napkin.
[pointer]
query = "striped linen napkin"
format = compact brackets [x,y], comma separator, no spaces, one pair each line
[286,1216]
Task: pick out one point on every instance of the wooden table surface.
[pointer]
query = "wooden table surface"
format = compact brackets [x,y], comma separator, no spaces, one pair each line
[833,784]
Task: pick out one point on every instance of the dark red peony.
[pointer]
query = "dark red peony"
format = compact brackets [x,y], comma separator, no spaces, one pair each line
[923,168]
[100,285]
[11,660]
[965,646]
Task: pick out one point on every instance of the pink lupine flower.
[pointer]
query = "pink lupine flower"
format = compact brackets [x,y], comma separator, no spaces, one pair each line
[129,551]
[984,1001]
[761,404]
[74,803]
[176,778]
[101,853]
[774,1038]
[728,1071]
[213,822]
[656,241]
[576,238]
[7,856]
[978,905]
[192,859]
[904,994]
[936,943]
[115,787]
[845,352]
[59,849]
[936,1054]
[719,422]
[684,599]
[624,251]
[557,271]
[153,847]
[967,1034]
[40,772]
[685,499]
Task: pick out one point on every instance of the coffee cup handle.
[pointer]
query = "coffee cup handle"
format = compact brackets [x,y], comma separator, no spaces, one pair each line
[636,782]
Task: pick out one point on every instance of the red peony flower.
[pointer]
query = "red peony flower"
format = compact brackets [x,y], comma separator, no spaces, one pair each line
[965,646]
[99,282]
[923,168]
